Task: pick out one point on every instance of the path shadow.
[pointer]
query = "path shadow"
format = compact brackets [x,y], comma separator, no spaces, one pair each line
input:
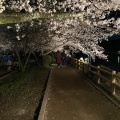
[37,111]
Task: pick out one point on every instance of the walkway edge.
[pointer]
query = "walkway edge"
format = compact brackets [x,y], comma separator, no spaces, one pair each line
[45,99]
[7,74]
[105,94]
[101,90]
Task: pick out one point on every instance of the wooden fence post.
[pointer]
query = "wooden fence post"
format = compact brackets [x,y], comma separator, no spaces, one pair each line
[80,66]
[113,87]
[76,63]
[73,62]
[83,67]
[98,74]
[89,67]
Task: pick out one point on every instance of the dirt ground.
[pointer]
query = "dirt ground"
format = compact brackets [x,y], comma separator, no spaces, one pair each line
[22,104]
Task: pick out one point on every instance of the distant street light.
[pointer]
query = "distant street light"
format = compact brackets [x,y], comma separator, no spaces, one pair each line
[118,57]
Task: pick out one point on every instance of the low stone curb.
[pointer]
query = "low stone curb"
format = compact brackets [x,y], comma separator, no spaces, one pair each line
[45,99]
[7,74]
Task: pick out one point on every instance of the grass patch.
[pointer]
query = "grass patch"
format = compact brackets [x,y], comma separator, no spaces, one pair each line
[19,81]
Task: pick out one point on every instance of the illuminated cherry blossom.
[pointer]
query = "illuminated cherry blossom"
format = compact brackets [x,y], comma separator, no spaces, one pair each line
[83,33]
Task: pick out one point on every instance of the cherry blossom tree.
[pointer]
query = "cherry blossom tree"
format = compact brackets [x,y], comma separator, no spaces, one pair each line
[81,23]
[95,12]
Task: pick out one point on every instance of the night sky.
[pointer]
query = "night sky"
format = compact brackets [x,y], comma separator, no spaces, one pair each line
[112,45]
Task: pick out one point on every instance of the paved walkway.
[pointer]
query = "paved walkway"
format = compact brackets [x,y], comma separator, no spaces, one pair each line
[70,97]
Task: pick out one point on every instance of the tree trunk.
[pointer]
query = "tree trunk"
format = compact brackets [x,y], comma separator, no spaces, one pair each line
[24,66]
[21,65]
[19,60]
[55,48]
[35,57]
[41,58]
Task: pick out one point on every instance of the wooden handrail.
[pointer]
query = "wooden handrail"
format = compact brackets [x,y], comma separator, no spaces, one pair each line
[118,76]
[93,66]
[99,71]
[105,71]
[116,84]
[93,72]
[104,78]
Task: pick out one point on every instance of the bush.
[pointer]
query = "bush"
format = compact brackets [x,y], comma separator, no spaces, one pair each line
[48,59]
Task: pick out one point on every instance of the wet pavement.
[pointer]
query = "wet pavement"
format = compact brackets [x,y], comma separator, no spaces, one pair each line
[70,97]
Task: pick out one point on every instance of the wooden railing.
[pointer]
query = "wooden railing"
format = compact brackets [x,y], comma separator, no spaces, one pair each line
[100,75]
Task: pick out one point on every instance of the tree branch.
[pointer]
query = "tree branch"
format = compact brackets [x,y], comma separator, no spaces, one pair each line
[55,48]
[6,18]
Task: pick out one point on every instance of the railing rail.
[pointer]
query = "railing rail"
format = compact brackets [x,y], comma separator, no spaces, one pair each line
[100,73]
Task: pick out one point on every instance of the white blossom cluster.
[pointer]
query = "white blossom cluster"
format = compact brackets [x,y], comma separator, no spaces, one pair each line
[2,8]
[82,34]
[95,11]
[18,5]
[78,35]
[73,32]
[65,32]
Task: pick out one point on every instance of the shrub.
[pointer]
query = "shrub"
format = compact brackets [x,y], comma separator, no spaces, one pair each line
[48,59]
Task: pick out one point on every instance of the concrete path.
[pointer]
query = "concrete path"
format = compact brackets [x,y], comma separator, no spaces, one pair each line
[70,97]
